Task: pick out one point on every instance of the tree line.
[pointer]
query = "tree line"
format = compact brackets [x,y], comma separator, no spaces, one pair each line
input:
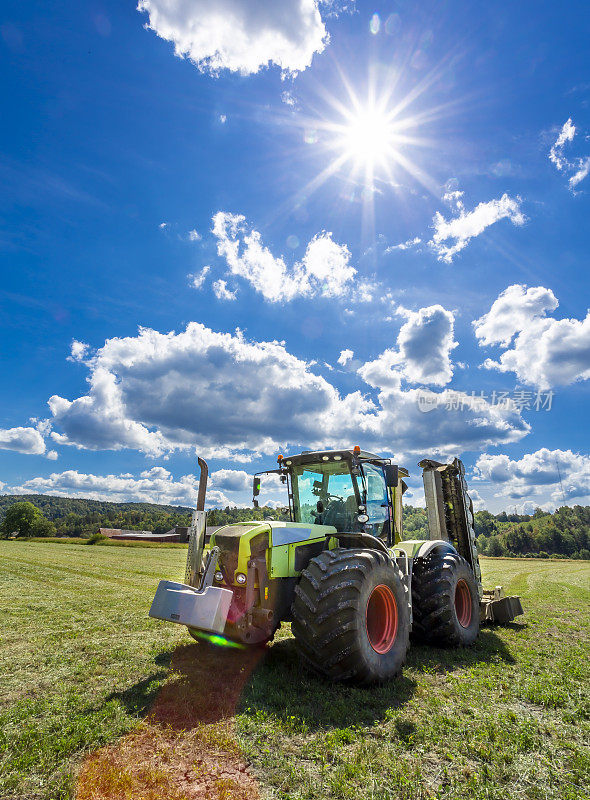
[564,533]
[41,515]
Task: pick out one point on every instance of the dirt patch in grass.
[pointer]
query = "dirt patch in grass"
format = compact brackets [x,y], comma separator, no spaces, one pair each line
[186,747]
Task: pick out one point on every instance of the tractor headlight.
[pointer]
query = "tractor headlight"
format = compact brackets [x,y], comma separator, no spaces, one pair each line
[241,578]
[362,518]
[218,576]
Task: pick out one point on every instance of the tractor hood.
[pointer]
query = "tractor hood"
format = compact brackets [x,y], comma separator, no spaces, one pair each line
[240,542]
[229,536]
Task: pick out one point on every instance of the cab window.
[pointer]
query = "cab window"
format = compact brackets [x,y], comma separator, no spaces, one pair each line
[324,494]
[376,500]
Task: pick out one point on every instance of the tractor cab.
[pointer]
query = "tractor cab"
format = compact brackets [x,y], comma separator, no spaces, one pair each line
[351,490]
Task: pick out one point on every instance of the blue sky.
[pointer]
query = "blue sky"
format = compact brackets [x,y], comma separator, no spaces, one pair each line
[245,228]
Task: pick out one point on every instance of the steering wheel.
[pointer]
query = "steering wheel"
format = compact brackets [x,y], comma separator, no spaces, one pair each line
[335,511]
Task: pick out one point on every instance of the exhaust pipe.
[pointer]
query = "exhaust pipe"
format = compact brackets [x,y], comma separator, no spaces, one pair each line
[196,535]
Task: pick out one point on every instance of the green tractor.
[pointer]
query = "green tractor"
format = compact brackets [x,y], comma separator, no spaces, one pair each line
[340,570]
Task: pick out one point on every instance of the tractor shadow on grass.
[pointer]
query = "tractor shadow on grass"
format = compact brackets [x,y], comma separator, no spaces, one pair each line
[210,684]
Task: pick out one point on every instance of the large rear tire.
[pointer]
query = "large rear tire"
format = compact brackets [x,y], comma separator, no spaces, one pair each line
[445,600]
[350,616]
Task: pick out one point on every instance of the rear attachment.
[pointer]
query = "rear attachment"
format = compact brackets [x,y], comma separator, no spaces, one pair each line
[495,606]
[450,518]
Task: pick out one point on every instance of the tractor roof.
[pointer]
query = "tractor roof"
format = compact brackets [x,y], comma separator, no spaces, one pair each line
[313,456]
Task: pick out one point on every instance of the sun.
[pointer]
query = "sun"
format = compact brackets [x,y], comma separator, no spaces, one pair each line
[369,138]
[366,141]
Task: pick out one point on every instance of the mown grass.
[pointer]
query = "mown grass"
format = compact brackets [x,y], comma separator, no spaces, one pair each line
[100,541]
[80,664]
[80,661]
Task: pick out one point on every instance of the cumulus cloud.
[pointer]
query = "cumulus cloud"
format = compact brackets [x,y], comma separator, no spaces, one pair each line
[78,350]
[578,168]
[227,397]
[541,350]
[453,235]
[345,356]
[235,480]
[238,480]
[239,35]
[155,485]
[22,440]
[324,269]
[423,351]
[545,477]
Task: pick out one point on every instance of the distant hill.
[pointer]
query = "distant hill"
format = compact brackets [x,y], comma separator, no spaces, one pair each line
[56,507]
[74,516]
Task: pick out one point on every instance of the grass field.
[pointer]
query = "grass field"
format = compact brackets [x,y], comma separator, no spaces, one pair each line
[81,664]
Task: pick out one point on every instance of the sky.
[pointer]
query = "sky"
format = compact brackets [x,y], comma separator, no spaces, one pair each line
[241,229]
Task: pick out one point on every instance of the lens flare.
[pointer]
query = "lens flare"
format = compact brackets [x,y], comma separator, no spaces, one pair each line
[217,640]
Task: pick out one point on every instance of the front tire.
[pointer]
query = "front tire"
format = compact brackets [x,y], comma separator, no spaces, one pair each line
[445,599]
[350,616]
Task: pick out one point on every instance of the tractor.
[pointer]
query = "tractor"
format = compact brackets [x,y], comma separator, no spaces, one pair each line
[340,569]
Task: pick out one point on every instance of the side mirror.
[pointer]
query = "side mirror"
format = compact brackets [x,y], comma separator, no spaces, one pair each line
[255,490]
[391,475]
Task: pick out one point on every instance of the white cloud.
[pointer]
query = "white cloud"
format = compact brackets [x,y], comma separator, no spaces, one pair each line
[453,235]
[163,225]
[345,356]
[194,235]
[566,135]
[238,480]
[324,269]
[582,169]
[578,168]
[78,350]
[222,292]
[407,245]
[197,279]
[546,352]
[240,35]
[511,312]
[227,397]
[546,477]
[51,455]
[424,346]
[288,98]
[234,480]
[22,440]
[155,485]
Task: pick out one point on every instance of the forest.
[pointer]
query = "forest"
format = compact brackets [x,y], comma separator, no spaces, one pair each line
[565,533]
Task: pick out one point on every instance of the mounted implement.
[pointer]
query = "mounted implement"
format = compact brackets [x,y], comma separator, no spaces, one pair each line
[340,570]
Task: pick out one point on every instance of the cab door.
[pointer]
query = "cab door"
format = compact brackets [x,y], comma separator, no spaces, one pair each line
[376,502]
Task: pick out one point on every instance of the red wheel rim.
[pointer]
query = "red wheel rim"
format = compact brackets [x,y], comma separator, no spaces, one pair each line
[381,619]
[463,603]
